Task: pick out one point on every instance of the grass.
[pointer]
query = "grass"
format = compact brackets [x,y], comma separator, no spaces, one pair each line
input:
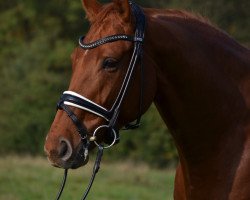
[27,178]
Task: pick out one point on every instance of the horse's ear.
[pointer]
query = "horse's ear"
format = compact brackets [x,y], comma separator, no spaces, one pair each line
[92,8]
[124,9]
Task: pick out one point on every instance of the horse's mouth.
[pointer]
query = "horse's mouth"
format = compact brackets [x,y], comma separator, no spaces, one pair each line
[79,163]
[77,159]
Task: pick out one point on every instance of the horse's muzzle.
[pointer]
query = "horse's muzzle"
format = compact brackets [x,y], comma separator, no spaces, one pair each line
[64,156]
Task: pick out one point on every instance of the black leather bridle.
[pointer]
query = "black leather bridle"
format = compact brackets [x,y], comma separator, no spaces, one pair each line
[73,99]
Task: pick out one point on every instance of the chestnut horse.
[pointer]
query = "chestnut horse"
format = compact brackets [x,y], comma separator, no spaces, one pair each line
[197,76]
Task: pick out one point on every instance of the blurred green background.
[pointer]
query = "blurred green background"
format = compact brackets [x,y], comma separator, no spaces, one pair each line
[37,38]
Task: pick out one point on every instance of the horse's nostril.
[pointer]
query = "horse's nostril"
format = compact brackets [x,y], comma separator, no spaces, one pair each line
[65,150]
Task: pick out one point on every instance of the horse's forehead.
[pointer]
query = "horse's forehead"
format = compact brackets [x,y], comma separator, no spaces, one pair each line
[106,26]
[109,22]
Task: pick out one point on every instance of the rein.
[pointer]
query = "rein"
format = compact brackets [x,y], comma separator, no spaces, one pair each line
[73,99]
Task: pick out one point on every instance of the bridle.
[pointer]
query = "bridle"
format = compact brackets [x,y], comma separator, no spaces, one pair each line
[73,99]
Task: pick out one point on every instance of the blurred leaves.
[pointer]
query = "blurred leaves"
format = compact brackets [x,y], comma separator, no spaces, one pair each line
[37,38]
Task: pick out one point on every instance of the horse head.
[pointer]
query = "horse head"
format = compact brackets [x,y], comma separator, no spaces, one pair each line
[105,92]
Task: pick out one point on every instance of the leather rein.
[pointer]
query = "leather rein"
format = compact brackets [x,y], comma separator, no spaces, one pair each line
[73,99]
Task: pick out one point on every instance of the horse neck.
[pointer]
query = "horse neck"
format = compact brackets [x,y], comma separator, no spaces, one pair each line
[200,71]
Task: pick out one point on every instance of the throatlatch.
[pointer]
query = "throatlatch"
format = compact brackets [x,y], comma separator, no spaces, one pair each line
[73,99]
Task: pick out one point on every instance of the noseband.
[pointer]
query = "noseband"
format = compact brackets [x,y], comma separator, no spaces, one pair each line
[73,99]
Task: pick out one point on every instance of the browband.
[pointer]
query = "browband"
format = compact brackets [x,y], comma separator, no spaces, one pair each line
[109,39]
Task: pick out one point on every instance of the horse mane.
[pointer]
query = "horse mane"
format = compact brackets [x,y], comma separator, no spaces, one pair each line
[169,13]
[108,8]
[195,18]
[189,16]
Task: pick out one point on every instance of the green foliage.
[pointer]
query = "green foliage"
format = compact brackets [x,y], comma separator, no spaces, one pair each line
[37,38]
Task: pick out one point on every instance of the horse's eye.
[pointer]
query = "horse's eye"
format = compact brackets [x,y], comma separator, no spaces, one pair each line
[110,64]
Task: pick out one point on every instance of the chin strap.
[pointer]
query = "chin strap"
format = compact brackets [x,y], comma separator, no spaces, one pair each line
[95,171]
